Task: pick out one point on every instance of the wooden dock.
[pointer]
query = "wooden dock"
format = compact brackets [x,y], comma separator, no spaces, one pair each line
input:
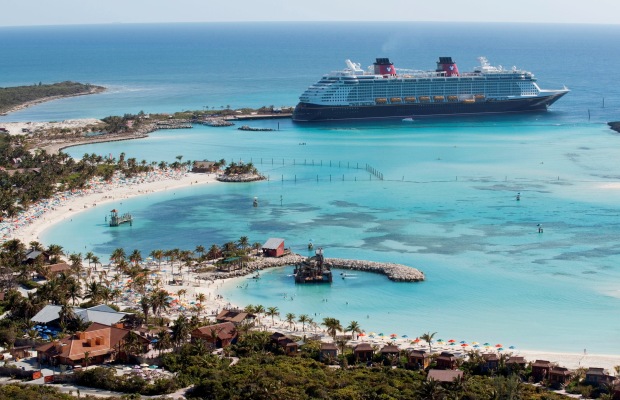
[116,220]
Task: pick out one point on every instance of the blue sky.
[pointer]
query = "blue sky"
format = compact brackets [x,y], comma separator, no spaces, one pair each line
[62,12]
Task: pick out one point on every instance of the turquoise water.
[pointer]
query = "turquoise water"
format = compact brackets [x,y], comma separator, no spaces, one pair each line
[447,203]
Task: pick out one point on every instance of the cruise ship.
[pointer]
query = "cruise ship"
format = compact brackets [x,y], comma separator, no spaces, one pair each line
[384,91]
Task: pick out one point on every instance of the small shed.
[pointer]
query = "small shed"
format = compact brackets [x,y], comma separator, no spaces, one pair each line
[598,377]
[389,350]
[491,361]
[363,352]
[559,375]
[516,363]
[540,370]
[446,360]
[273,247]
[328,351]
[418,359]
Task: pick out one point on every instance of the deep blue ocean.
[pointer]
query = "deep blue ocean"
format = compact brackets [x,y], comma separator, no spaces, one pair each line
[447,203]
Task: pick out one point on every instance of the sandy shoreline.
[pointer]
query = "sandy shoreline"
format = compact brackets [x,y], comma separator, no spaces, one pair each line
[95,90]
[28,226]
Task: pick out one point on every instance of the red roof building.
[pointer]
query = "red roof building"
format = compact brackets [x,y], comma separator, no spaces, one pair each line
[99,343]
[219,335]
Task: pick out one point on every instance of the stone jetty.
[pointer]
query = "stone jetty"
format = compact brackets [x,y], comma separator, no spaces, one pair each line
[240,178]
[394,272]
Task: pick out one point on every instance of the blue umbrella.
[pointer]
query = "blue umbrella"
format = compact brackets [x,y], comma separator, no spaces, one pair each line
[463,342]
[511,347]
[405,336]
[154,341]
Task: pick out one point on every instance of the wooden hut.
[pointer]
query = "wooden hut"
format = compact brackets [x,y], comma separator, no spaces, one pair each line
[559,376]
[598,377]
[329,351]
[363,352]
[540,370]
[418,359]
[273,247]
[446,360]
[218,335]
[389,350]
[491,361]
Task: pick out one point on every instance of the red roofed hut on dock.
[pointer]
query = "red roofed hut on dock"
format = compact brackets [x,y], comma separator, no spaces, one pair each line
[273,247]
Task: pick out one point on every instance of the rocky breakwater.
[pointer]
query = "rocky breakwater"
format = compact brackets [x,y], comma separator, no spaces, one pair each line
[240,177]
[260,263]
[394,272]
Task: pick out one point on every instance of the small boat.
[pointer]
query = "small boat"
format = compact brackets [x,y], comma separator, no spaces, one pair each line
[408,119]
[381,100]
[396,100]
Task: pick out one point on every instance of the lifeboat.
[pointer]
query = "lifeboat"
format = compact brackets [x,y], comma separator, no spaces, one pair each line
[438,98]
[479,97]
[425,99]
[396,100]
[453,98]
[381,100]
[409,99]
[469,101]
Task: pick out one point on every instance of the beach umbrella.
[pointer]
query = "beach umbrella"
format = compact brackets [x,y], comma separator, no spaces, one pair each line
[144,365]
[439,340]
[498,345]
[474,342]
[476,346]
[381,334]
[371,336]
[153,367]
[462,341]
[464,345]
[416,340]
[393,335]
[500,349]
[511,347]
[362,334]
[405,336]
[451,341]
[453,344]
[487,344]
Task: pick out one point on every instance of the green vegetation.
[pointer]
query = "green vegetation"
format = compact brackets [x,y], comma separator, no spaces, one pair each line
[12,97]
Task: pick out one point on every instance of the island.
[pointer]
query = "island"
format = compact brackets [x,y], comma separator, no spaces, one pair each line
[20,97]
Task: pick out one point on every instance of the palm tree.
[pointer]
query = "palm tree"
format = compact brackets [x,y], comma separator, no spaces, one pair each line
[290,318]
[332,325]
[118,255]
[244,242]
[257,246]
[354,327]
[428,338]
[200,297]
[95,260]
[145,304]
[163,341]
[303,318]
[200,250]
[135,257]
[157,255]
[272,312]
[89,257]
[258,310]
[180,330]
[214,252]
[74,290]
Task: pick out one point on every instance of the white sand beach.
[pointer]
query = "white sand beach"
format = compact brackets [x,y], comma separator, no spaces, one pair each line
[19,128]
[29,224]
